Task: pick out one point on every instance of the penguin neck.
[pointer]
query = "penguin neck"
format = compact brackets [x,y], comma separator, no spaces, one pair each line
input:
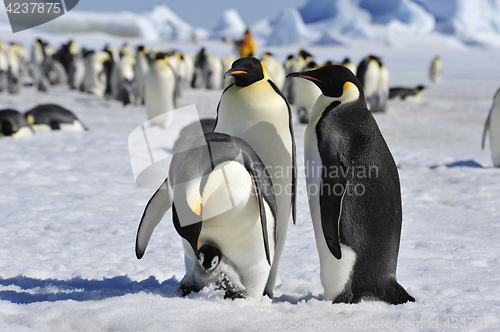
[319,108]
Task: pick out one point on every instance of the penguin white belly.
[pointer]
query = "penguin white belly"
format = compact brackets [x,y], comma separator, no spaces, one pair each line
[306,93]
[495,135]
[263,124]
[76,126]
[92,82]
[159,96]
[372,78]
[334,273]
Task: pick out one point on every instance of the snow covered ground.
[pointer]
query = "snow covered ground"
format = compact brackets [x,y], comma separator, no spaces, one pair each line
[69,211]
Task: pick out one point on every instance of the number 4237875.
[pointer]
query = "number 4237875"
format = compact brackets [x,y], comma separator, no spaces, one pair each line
[33,8]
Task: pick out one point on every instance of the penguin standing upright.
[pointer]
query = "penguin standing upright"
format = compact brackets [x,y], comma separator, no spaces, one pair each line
[354,192]
[227,61]
[374,78]
[94,80]
[159,92]
[436,70]
[275,69]
[122,70]
[254,110]
[348,63]
[4,67]
[493,125]
[222,198]
[141,68]
[212,72]
[305,93]
[288,85]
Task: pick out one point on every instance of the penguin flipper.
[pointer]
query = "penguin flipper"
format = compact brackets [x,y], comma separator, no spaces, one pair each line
[486,127]
[157,206]
[331,210]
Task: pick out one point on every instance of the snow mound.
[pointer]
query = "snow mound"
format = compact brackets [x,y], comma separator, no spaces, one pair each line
[288,28]
[122,24]
[168,25]
[229,25]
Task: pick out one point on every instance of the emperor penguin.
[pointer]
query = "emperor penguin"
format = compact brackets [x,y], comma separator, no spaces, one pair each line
[436,70]
[221,196]
[275,69]
[53,117]
[305,93]
[159,92]
[227,61]
[354,192]
[13,123]
[493,125]
[141,69]
[37,52]
[288,85]
[4,67]
[212,72]
[254,109]
[94,80]
[406,93]
[374,78]
[349,64]
[122,70]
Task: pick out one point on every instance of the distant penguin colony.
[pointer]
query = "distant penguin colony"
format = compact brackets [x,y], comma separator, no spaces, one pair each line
[342,134]
[492,125]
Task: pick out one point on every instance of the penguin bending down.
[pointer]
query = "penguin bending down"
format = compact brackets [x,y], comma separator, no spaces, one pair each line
[305,93]
[53,117]
[255,110]
[403,93]
[354,192]
[159,92]
[221,196]
[493,125]
[13,123]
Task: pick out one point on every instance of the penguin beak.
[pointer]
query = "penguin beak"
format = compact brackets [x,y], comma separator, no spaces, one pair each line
[234,71]
[301,75]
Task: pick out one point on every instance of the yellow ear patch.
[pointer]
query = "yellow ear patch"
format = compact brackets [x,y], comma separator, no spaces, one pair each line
[263,69]
[197,209]
[350,92]
[31,119]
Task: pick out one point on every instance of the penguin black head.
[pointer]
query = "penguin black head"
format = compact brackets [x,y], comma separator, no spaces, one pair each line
[419,88]
[334,81]
[209,257]
[246,71]
[304,54]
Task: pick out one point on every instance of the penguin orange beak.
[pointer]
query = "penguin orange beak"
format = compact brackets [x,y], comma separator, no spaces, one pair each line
[310,78]
[234,72]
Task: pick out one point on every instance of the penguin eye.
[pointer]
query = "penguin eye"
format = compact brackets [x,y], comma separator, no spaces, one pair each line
[215,262]
[201,259]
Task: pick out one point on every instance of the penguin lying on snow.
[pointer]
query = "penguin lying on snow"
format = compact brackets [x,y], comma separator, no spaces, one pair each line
[403,93]
[221,195]
[13,123]
[356,216]
[53,117]
[493,125]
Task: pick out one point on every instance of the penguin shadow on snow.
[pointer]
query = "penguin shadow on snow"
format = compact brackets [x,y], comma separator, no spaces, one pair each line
[34,290]
[462,163]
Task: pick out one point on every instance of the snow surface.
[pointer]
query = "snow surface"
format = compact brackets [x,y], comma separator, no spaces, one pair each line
[69,212]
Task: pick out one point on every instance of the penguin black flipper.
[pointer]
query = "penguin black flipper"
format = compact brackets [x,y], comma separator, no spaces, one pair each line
[157,206]
[486,127]
[294,159]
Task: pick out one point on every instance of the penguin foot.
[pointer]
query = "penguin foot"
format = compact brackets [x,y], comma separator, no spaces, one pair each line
[392,292]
